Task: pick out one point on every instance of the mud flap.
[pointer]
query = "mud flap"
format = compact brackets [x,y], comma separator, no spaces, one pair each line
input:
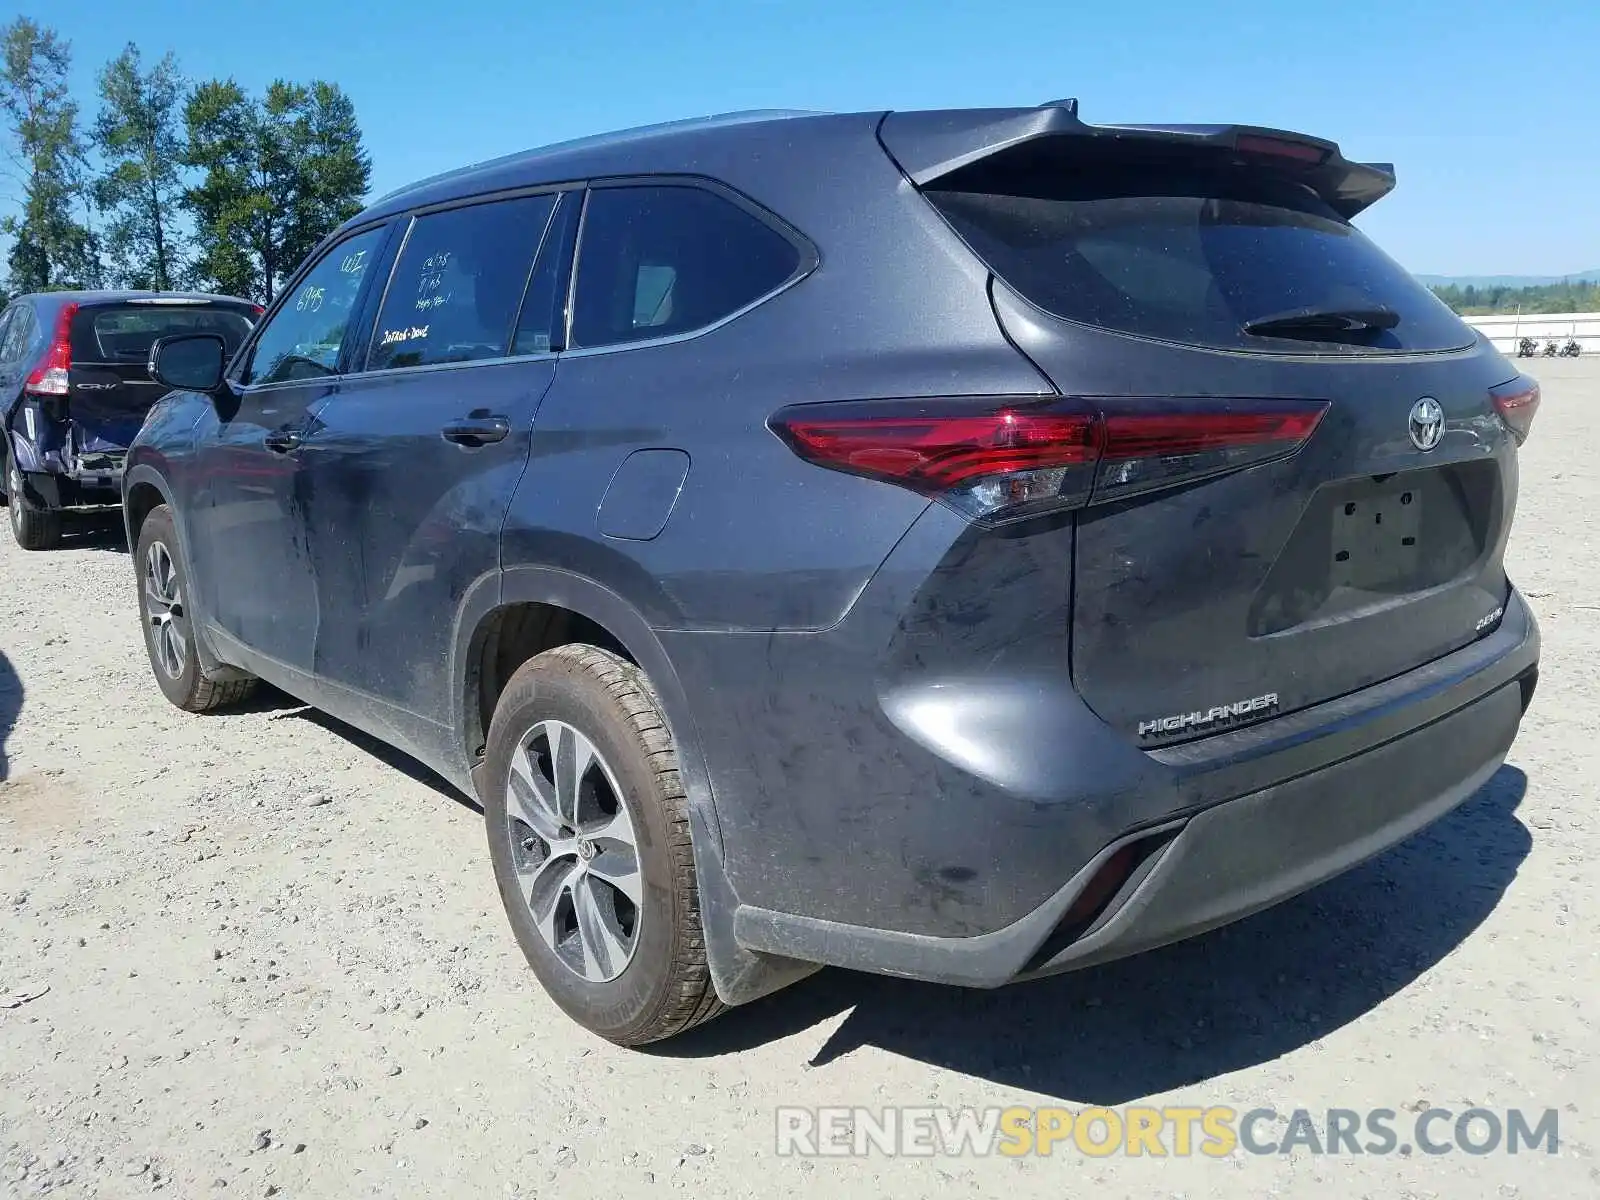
[739,975]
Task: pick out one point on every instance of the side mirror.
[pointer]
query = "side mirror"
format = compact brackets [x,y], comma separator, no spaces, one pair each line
[191,362]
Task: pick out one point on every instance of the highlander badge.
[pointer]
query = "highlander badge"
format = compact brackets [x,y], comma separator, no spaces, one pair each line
[1212,718]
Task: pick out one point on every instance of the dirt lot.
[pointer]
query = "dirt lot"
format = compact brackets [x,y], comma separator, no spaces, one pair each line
[276,964]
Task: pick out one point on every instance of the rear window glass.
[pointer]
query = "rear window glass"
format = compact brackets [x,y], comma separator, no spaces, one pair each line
[1188,251]
[658,261]
[126,334]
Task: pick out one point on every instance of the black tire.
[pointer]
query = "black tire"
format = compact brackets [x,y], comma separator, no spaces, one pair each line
[665,987]
[177,674]
[33,528]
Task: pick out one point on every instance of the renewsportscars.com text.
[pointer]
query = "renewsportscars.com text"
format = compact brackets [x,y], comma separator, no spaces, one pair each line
[1175,1131]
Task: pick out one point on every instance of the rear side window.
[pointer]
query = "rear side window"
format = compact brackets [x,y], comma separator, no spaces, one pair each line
[125,334]
[19,333]
[1187,249]
[455,291]
[655,261]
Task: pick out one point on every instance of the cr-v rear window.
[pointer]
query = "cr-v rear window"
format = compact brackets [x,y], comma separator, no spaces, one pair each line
[126,333]
[1186,247]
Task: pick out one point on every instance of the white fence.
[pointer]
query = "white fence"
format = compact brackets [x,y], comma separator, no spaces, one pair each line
[1505,330]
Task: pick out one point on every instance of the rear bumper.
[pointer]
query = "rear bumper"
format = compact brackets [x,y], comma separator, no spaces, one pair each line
[1266,812]
[77,488]
[67,463]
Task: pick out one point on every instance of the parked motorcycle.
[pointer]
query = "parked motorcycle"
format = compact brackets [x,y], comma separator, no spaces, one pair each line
[1551,349]
[1527,347]
[1571,348]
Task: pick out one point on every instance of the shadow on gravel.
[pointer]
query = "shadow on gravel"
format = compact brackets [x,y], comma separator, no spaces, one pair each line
[94,531]
[10,708]
[382,751]
[1241,995]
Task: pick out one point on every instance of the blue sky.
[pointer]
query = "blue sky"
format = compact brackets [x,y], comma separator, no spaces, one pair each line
[1490,111]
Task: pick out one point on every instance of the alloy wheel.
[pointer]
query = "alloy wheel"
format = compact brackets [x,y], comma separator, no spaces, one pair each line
[169,632]
[14,496]
[574,851]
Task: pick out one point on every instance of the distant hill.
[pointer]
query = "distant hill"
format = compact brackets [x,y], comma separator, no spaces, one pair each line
[1509,281]
[1565,295]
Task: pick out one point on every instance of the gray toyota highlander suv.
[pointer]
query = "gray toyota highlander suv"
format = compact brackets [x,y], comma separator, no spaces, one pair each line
[963,545]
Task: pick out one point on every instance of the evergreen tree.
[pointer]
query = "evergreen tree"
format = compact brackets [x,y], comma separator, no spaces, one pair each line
[141,189]
[278,175]
[51,249]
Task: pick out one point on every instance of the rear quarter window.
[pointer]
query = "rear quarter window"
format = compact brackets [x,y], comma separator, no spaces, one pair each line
[664,260]
[19,335]
[1187,252]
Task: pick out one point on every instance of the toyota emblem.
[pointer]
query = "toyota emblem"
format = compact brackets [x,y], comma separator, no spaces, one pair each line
[1427,423]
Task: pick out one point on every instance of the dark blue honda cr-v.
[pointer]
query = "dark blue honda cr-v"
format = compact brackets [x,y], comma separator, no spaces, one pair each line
[962,545]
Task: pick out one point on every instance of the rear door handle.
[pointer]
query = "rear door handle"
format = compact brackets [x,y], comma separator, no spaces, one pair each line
[281,442]
[476,431]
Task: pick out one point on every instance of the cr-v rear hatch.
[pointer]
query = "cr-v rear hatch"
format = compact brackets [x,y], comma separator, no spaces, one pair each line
[109,384]
[1203,289]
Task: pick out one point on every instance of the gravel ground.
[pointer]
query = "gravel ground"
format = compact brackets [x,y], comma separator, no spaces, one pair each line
[261,954]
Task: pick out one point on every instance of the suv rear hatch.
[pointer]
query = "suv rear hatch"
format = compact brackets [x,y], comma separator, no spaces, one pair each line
[1210,271]
[109,386]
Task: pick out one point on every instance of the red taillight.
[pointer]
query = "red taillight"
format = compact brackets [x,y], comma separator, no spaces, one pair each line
[49,378]
[258,310]
[1517,402]
[1274,147]
[933,445]
[1002,458]
[1152,444]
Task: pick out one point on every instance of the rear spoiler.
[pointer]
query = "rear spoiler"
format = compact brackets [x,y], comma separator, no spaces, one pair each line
[931,145]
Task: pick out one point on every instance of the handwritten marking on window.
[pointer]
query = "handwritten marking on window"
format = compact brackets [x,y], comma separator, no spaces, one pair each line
[431,279]
[414,332]
[310,300]
[354,264]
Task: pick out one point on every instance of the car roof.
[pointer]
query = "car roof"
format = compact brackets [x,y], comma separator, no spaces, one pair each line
[672,146]
[752,148]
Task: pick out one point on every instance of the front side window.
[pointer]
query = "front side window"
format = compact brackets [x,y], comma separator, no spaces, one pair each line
[455,291]
[303,338]
[656,261]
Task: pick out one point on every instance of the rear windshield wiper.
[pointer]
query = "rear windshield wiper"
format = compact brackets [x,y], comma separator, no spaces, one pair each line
[1309,322]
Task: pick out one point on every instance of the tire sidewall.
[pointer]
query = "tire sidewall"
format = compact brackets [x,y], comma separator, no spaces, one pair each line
[158,527]
[32,528]
[562,691]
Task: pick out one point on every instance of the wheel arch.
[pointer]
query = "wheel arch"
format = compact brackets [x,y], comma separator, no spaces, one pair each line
[739,975]
[143,491]
[593,613]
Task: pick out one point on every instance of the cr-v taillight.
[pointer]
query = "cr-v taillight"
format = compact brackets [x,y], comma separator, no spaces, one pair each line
[49,378]
[1003,458]
[1517,402]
